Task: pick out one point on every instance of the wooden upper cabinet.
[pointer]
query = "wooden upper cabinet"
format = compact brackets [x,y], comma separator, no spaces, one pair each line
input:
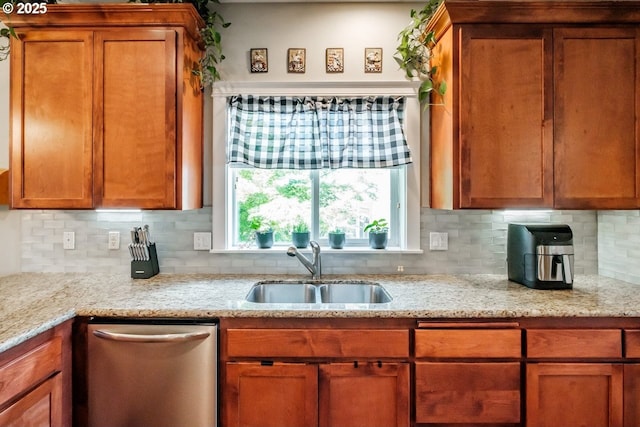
[135,150]
[106,116]
[523,123]
[596,104]
[51,119]
[506,150]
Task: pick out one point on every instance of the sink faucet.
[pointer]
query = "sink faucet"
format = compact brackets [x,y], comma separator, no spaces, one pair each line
[314,265]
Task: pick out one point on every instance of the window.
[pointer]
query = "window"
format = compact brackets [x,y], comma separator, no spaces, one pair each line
[323,197]
[326,199]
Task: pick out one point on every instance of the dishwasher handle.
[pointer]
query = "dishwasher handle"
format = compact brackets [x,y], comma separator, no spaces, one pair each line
[151,338]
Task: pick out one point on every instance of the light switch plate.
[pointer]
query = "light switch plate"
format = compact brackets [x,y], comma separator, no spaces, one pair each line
[201,241]
[438,241]
[68,240]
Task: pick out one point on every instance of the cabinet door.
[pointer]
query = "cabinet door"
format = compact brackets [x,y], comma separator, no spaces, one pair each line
[278,395]
[51,119]
[632,395]
[40,407]
[506,138]
[476,393]
[135,134]
[574,395]
[364,395]
[597,99]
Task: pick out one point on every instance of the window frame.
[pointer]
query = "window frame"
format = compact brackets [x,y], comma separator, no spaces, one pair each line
[408,239]
[397,179]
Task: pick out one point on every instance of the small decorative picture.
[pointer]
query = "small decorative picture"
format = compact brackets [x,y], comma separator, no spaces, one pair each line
[259,61]
[373,60]
[335,60]
[296,60]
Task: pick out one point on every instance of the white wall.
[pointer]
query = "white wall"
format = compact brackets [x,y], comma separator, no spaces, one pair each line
[9,220]
[315,27]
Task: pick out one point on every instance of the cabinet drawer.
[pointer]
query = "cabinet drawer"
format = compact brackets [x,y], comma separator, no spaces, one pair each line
[632,342]
[30,369]
[489,343]
[363,343]
[468,392]
[583,343]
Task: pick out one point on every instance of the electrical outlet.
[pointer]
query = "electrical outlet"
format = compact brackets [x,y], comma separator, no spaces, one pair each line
[114,240]
[401,269]
[68,240]
[201,241]
[438,241]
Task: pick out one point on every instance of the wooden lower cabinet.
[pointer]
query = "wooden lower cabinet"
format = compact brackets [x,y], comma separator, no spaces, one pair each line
[315,372]
[271,395]
[468,373]
[364,394]
[574,394]
[632,395]
[35,381]
[474,393]
[40,407]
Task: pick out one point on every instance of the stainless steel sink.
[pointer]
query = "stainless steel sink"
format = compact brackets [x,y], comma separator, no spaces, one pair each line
[318,292]
[280,293]
[365,293]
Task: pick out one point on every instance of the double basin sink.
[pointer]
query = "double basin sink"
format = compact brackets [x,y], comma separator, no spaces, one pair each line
[318,292]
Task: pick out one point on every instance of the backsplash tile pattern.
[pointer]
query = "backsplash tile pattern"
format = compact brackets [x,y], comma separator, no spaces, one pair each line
[619,245]
[477,244]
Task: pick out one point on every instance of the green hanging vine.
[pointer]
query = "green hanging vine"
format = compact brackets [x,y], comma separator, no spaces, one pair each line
[415,51]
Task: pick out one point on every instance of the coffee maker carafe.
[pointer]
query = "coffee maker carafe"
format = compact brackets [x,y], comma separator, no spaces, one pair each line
[540,256]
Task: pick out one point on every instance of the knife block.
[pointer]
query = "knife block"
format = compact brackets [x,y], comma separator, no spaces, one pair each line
[146,269]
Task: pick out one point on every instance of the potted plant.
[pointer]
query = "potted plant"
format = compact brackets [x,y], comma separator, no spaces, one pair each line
[415,51]
[300,234]
[263,232]
[378,230]
[336,238]
[5,38]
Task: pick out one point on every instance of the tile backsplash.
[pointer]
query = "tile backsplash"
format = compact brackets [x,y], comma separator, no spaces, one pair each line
[477,244]
[619,245]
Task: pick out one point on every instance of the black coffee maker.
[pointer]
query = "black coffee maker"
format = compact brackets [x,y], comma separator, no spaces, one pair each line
[540,256]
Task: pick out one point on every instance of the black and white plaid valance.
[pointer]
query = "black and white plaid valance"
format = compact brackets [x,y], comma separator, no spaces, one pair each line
[317,132]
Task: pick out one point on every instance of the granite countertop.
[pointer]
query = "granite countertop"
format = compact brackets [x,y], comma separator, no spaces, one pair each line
[35,302]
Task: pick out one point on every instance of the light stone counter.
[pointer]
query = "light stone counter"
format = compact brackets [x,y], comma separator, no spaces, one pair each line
[32,303]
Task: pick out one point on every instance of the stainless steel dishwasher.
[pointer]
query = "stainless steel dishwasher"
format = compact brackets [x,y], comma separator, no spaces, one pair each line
[159,374]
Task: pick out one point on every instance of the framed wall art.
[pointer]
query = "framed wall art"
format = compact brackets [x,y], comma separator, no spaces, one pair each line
[373,60]
[259,60]
[335,60]
[296,60]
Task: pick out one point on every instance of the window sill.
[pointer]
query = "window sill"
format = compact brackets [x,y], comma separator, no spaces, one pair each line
[279,250]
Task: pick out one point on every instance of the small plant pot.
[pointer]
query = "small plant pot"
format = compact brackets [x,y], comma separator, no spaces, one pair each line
[264,239]
[378,240]
[300,239]
[336,240]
